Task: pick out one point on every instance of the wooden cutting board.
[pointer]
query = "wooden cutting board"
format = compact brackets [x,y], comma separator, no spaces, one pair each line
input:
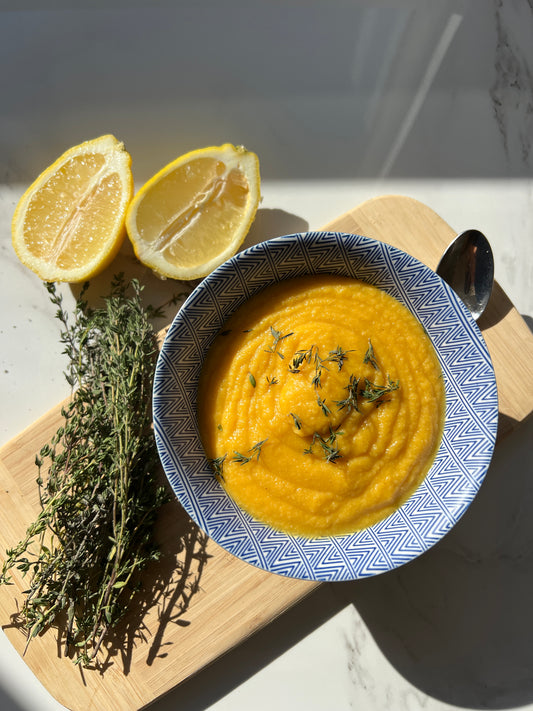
[201,601]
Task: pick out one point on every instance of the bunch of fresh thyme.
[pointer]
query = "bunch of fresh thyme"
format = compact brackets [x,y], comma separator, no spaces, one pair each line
[99,496]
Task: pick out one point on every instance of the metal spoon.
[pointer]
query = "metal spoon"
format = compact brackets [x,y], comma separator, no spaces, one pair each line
[467,266]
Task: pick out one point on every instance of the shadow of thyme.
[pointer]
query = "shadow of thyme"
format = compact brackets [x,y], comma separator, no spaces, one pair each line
[164,593]
[162,597]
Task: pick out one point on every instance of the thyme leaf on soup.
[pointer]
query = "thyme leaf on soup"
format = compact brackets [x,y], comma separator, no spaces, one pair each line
[255,451]
[217,465]
[331,454]
[297,421]
[372,392]
[319,367]
[272,381]
[311,355]
[322,405]
[350,402]
[328,445]
[299,358]
[333,434]
[278,336]
[316,380]
[240,458]
[370,356]
[252,380]
[339,355]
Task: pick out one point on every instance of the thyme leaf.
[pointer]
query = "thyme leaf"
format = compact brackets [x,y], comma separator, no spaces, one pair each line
[297,421]
[322,405]
[255,451]
[370,356]
[277,336]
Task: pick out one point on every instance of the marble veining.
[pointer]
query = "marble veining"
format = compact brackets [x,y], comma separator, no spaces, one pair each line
[512,89]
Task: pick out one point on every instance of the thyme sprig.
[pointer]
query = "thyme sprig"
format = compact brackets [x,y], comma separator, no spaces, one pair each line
[322,405]
[217,465]
[299,358]
[350,402]
[297,421]
[311,355]
[255,451]
[328,445]
[370,356]
[339,355]
[372,392]
[277,336]
[97,477]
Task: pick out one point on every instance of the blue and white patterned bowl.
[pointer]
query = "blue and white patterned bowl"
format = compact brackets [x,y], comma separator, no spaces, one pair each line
[470,423]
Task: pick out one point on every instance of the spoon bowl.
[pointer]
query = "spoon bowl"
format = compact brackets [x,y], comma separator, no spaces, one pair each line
[467,266]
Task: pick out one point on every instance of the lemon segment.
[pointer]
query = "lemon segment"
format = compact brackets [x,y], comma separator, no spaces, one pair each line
[70,223]
[195,212]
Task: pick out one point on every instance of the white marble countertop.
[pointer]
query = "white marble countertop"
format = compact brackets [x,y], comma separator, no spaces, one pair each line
[342,102]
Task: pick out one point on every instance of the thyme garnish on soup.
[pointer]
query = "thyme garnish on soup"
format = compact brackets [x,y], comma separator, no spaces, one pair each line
[370,392]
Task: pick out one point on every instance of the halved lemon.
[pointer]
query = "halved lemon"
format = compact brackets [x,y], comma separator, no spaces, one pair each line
[195,212]
[69,224]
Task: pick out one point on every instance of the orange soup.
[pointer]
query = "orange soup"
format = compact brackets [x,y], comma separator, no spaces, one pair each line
[321,405]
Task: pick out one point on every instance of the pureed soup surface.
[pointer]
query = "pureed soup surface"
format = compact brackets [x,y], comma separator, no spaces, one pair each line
[321,405]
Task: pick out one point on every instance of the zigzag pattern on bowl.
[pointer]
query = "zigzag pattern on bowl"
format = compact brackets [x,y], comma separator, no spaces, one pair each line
[471,408]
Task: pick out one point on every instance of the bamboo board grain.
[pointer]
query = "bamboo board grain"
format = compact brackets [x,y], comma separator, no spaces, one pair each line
[200,601]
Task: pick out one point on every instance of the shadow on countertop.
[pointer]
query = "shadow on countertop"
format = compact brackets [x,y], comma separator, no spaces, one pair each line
[457,623]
